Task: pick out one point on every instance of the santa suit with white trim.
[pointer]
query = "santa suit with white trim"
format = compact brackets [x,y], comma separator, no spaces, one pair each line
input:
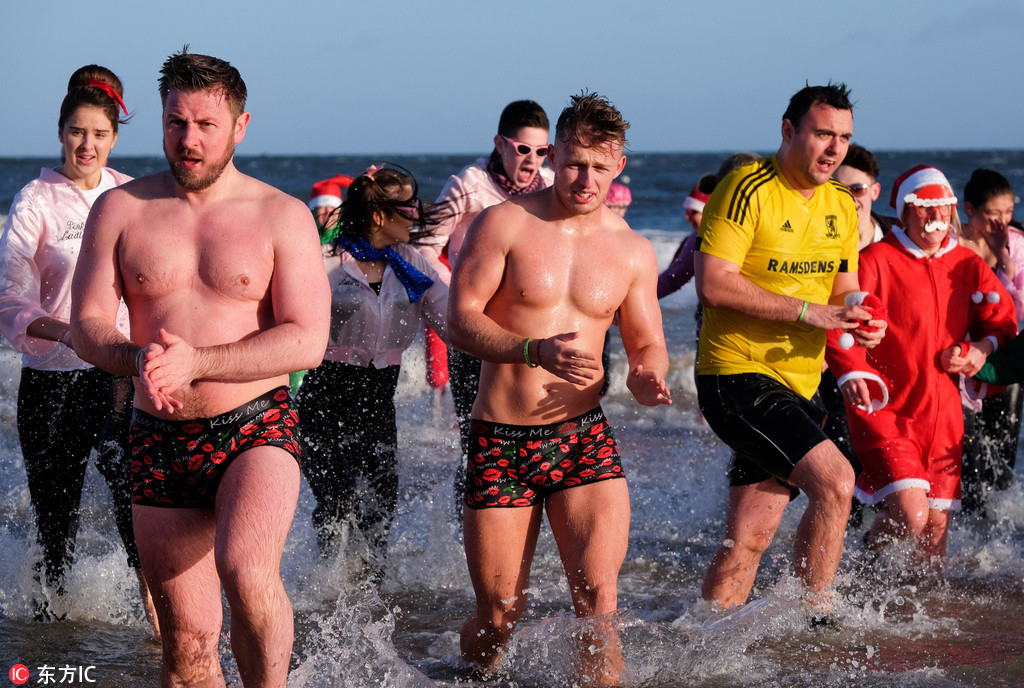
[932,303]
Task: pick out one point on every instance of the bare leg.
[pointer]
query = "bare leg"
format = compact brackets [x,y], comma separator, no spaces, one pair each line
[933,539]
[176,550]
[827,478]
[906,516]
[255,505]
[591,526]
[147,604]
[754,514]
[500,543]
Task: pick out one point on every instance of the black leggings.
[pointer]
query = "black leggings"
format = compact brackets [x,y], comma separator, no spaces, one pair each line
[349,440]
[990,446]
[62,417]
[464,380]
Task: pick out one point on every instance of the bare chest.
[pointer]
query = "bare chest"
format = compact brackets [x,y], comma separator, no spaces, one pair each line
[590,277]
[180,254]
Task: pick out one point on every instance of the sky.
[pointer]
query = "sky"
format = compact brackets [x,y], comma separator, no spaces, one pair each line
[340,77]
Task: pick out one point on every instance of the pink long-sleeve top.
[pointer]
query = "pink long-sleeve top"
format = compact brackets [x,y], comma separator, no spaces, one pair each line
[466,195]
[38,253]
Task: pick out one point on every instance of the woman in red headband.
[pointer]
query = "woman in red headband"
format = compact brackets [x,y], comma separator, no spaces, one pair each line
[66,407]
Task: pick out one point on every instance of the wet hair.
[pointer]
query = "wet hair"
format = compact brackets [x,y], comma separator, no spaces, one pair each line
[833,95]
[984,185]
[591,121]
[81,93]
[860,158]
[379,193]
[519,114]
[735,160]
[190,72]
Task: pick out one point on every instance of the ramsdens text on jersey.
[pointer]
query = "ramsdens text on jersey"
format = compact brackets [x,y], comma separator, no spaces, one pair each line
[801,267]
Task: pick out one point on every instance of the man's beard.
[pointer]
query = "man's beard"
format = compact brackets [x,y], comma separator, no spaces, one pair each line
[192,180]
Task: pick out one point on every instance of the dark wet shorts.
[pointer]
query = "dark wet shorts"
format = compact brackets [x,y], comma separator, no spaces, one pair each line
[181,463]
[521,465]
[769,426]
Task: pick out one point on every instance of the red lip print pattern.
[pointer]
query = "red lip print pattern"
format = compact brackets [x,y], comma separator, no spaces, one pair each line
[181,463]
[512,468]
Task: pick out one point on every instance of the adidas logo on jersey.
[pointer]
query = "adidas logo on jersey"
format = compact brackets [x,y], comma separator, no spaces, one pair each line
[786,227]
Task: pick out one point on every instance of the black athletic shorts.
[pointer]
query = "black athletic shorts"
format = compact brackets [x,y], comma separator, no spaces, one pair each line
[769,426]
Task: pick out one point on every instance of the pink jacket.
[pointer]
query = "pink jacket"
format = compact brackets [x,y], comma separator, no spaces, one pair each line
[1015,241]
[38,254]
[468,193]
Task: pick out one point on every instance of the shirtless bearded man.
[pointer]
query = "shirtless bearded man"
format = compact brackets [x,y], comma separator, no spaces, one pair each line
[227,294]
[538,282]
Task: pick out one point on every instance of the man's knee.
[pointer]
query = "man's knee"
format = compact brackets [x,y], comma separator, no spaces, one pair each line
[247,584]
[909,516]
[825,475]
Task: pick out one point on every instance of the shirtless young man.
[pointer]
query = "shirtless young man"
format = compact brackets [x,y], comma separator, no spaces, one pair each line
[514,167]
[535,290]
[227,294]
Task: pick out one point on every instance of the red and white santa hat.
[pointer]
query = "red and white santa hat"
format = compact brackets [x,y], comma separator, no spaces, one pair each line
[696,200]
[328,192]
[923,186]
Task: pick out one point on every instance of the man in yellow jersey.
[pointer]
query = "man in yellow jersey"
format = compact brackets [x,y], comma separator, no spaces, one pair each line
[777,253]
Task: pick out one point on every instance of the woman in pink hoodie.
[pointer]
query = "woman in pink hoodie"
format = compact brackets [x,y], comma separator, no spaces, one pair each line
[66,407]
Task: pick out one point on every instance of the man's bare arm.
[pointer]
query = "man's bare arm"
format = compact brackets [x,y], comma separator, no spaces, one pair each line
[642,334]
[475,281]
[96,293]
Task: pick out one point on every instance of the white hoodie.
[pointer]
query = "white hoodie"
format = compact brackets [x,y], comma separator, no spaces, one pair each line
[38,253]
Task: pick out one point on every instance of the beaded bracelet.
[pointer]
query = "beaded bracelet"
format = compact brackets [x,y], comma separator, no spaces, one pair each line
[526,353]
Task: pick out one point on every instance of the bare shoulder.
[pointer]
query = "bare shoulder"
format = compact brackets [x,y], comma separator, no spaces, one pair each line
[501,223]
[271,197]
[127,204]
[508,211]
[278,211]
[141,189]
[631,245]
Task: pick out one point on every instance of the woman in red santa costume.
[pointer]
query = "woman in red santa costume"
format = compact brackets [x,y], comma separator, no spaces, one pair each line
[937,294]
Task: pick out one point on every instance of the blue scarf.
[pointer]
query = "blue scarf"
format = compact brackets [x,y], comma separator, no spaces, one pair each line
[414,281]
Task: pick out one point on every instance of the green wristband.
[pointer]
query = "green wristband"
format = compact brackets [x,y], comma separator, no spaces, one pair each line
[803,312]
[526,353]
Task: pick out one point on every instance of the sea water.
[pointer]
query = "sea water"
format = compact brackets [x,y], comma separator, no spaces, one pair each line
[964,628]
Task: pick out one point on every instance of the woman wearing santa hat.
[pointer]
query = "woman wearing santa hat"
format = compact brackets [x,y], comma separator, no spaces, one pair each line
[930,285]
